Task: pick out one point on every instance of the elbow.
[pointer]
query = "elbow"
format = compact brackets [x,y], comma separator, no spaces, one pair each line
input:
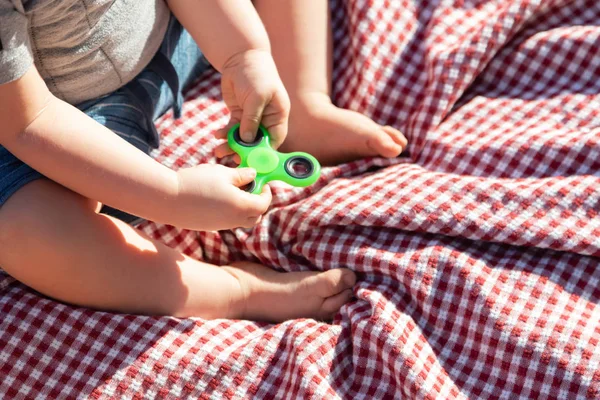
[22,102]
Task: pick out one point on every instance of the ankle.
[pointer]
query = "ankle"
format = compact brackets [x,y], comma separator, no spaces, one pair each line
[238,297]
[309,100]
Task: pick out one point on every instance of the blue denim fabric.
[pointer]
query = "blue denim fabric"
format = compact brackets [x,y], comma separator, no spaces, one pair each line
[130,111]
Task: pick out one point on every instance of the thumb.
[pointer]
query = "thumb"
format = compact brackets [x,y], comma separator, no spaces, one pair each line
[251,117]
[242,176]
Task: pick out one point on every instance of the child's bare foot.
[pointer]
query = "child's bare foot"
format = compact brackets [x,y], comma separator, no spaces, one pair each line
[268,295]
[335,135]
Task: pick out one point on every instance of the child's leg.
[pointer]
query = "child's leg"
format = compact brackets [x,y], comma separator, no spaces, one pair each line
[53,240]
[300,35]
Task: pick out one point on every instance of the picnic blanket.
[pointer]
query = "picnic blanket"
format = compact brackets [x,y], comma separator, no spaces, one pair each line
[477,251]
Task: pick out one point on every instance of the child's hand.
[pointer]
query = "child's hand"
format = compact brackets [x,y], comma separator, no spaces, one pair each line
[255,94]
[209,198]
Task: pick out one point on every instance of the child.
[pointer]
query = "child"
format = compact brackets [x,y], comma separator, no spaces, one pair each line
[75,72]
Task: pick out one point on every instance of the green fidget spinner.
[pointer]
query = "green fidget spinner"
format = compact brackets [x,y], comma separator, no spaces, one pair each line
[296,169]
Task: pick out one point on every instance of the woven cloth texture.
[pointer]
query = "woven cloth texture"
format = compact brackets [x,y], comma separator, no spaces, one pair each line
[477,250]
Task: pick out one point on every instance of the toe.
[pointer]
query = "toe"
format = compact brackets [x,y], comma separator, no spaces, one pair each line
[384,145]
[332,304]
[334,281]
[396,135]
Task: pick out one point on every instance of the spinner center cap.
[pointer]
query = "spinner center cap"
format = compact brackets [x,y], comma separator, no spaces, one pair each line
[263,160]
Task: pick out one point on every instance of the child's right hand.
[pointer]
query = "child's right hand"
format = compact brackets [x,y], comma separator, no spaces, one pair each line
[209,198]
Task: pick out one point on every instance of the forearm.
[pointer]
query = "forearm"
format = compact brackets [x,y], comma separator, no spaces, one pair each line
[221,28]
[72,149]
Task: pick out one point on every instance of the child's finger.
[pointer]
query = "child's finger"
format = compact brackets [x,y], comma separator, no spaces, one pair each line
[231,161]
[258,204]
[221,133]
[266,197]
[223,150]
[276,118]
[252,221]
[278,132]
[251,117]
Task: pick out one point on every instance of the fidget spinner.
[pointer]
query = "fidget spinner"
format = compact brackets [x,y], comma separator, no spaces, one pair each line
[297,169]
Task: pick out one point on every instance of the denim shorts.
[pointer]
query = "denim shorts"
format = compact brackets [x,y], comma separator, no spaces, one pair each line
[130,111]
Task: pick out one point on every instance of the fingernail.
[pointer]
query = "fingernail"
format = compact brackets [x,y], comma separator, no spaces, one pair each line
[247,137]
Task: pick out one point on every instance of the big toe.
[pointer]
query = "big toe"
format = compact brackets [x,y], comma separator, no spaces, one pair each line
[396,135]
[333,282]
[387,142]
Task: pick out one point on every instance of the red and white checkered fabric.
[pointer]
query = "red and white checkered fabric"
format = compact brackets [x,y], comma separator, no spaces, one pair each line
[477,253]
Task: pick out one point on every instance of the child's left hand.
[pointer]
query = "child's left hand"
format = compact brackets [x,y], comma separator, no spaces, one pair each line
[254,93]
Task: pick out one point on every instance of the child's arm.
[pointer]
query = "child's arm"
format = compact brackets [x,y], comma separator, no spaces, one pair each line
[233,38]
[222,28]
[72,149]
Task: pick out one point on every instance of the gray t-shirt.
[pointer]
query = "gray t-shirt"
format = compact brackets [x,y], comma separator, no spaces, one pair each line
[82,48]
